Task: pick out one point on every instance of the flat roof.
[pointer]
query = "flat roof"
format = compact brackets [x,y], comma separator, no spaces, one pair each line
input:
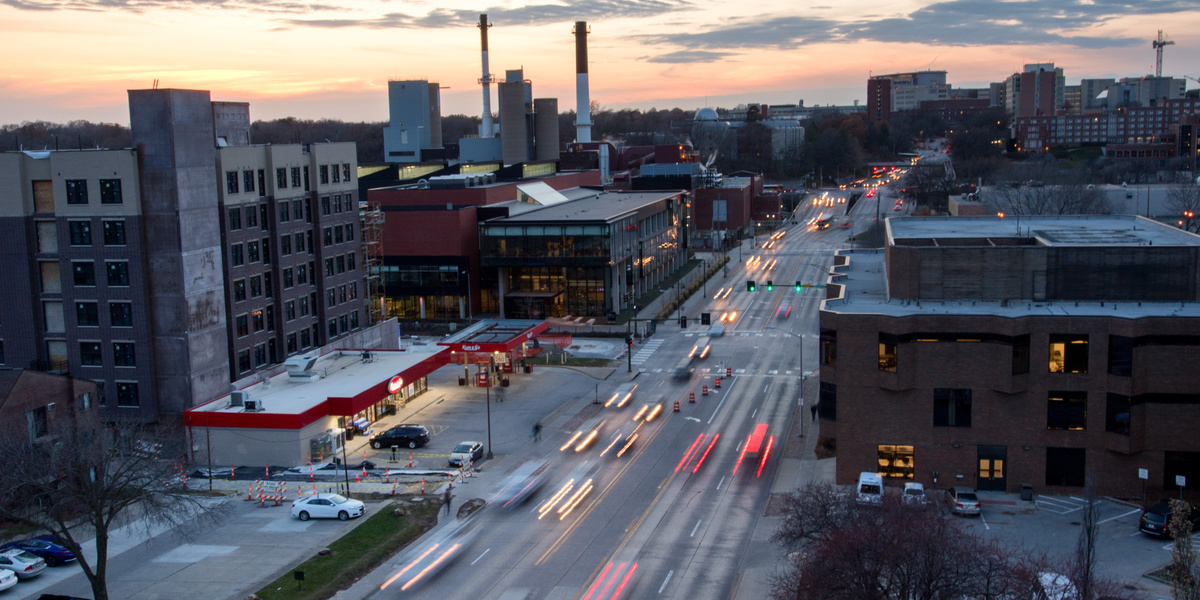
[1070,230]
[495,335]
[344,374]
[604,206]
[866,292]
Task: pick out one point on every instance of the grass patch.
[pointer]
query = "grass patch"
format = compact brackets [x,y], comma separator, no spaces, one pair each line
[586,362]
[357,553]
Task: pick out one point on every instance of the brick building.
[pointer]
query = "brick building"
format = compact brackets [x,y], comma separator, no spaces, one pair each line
[1057,352]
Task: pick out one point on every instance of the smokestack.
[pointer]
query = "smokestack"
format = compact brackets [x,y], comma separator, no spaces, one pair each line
[485,129]
[583,108]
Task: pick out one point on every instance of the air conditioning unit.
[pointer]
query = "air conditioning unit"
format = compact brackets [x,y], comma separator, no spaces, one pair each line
[237,398]
[253,405]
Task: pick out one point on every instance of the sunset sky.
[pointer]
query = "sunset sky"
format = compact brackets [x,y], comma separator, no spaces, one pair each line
[75,59]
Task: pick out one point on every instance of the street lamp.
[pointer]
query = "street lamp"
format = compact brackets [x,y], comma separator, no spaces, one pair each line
[491,367]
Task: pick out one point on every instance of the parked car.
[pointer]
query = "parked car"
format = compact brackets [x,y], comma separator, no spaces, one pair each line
[1156,520]
[409,435]
[44,547]
[963,500]
[22,563]
[870,488]
[914,493]
[7,579]
[327,506]
[466,452]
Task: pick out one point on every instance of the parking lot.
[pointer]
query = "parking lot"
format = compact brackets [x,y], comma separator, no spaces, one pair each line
[1050,525]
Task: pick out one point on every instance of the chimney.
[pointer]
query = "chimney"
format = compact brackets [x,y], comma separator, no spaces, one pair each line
[583,109]
[485,129]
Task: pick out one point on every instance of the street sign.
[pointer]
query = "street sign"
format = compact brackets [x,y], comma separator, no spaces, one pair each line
[1143,473]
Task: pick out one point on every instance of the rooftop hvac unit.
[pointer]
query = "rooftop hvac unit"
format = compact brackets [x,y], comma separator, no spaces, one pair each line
[253,405]
[238,397]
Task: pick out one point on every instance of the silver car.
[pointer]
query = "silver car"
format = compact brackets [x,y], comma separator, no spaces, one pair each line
[963,500]
[22,563]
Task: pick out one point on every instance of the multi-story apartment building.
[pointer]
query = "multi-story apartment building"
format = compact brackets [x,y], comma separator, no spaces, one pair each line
[1053,351]
[1127,125]
[168,270]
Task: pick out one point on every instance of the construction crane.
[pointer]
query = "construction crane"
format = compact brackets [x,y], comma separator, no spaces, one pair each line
[1158,50]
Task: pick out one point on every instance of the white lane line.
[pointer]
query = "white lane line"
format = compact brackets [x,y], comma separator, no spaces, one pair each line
[754,414]
[696,527]
[718,409]
[985,523]
[665,581]
[720,482]
[1134,511]
[481,556]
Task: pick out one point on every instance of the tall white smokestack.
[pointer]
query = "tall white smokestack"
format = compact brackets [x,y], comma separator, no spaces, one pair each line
[583,108]
[485,129]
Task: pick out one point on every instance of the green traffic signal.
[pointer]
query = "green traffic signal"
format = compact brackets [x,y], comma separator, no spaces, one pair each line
[770,285]
[750,286]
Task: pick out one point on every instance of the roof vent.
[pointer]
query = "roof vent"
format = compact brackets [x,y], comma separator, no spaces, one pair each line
[299,368]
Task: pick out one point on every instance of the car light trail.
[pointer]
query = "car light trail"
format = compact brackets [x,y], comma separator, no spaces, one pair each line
[570,441]
[616,439]
[621,587]
[575,499]
[766,451]
[688,454]
[433,565]
[587,440]
[740,457]
[625,400]
[599,580]
[641,411]
[631,439]
[410,565]
[693,352]
[549,505]
[610,401]
[654,412]
[705,352]
[706,451]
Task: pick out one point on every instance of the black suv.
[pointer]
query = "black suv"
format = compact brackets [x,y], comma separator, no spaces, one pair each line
[1155,520]
[401,435]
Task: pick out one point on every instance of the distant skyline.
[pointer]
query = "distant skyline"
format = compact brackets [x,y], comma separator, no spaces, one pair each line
[75,59]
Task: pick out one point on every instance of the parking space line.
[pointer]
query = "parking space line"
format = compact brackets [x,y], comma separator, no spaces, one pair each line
[1134,511]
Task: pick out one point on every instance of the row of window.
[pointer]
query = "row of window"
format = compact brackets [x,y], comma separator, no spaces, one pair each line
[241,253]
[339,264]
[1064,466]
[91,354]
[87,313]
[84,272]
[332,170]
[80,232]
[259,320]
[110,191]
[337,234]
[248,180]
[250,252]
[335,204]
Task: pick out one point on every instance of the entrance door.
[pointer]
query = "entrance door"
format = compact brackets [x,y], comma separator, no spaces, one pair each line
[992,464]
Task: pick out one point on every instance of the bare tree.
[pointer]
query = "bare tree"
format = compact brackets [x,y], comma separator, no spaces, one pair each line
[1185,583]
[84,476]
[1085,548]
[1183,200]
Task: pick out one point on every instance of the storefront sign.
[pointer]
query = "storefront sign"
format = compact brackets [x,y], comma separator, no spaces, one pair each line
[470,348]
[395,384]
[482,378]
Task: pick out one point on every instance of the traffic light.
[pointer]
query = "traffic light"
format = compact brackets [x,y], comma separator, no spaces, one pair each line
[683,322]
[770,285]
[799,287]
[750,285]
[705,318]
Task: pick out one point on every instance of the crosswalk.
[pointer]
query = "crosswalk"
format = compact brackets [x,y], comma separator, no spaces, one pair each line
[647,350]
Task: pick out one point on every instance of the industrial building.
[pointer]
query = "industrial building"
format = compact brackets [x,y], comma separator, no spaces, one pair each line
[1056,352]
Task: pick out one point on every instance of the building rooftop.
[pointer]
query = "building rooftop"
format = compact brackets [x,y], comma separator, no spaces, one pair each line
[866,292]
[1071,230]
[343,374]
[605,206]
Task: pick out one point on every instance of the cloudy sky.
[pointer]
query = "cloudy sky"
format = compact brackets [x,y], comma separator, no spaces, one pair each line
[75,59]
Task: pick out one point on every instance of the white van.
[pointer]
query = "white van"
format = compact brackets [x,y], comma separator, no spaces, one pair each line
[870,488]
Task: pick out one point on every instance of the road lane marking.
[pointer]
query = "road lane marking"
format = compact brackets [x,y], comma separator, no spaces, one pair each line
[696,527]
[481,556]
[666,581]
[1134,511]
[720,482]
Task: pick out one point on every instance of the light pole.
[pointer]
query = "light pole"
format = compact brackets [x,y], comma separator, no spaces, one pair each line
[468,274]
[491,367]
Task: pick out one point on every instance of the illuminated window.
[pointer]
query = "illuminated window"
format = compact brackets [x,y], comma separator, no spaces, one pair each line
[1068,353]
[896,461]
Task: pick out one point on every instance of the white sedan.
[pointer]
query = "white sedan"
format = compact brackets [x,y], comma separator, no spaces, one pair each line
[327,506]
[22,563]
[7,579]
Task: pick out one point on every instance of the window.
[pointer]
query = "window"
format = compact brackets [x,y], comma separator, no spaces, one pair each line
[337,203]
[342,327]
[268,287]
[90,354]
[828,347]
[346,172]
[353,290]
[295,176]
[895,461]
[887,352]
[289,310]
[84,273]
[300,242]
[1020,355]
[297,210]
[87,314]
[354,320]
[114,233]
[284,213]
[285,245]
[308,236]
[337,235]
[269,317]
[349,232]
[328,267]
[331,329]
[255,286]
[248,181]
[252,252]
[1068,353]
[272,351]
[291,343]
[262,183]
[331,297]
[324,171]
[287,279]
[110,191]
[235,219]
[305,338]
[337,175]
[239,290]
[118,273]
[325,205]
[243,361]
[301,274]
[251,216]
[341,293]
[827,401]
[1120,356]
[120,314]
[1117,414]
[303,301]
[1065,466]
[256,321]
[327,236]
[36,419]
[81,232]
[340,262]
[123,355]
[236,258]
[260,355]
[951,407]
[77,191]
[243,325]
[1067,410]
[231,182]
[281,178]
[266,251]
[306,184]
[264,217]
